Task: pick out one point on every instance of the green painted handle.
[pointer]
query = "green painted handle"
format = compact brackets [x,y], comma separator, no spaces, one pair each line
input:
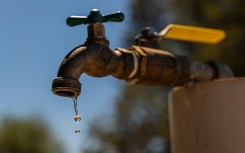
[76,20]
[115,17]
[95,17]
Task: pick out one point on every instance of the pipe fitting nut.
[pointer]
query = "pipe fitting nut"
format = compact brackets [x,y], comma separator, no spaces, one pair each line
[66,87]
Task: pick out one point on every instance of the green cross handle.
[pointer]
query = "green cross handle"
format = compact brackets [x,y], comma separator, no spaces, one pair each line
[95,17]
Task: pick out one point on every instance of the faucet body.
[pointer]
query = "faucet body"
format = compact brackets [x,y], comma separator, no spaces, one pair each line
[140,64]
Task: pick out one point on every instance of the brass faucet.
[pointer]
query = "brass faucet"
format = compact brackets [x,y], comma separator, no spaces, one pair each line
[143,63]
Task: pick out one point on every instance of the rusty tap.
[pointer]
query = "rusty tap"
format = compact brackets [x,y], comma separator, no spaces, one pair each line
[138,64]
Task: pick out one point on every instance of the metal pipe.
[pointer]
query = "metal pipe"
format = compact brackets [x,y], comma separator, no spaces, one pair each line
[209,71]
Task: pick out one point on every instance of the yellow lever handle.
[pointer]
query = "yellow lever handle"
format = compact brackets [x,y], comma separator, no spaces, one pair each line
[193,34]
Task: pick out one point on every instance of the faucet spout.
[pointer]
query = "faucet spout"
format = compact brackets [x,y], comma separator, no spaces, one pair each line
[93,59]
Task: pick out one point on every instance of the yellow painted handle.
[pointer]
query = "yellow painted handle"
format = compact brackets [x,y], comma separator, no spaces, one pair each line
[193,34]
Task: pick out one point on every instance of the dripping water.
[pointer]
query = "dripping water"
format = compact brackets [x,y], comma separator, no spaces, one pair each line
[77,117]
[77,131]
[75,104]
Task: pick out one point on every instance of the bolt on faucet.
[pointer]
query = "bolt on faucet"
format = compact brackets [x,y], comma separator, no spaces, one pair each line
[143,64]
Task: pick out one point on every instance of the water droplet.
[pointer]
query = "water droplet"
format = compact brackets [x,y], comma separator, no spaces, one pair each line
[77,118]
[75,104]
[77,131]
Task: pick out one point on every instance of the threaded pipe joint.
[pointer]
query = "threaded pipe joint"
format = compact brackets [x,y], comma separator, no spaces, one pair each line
[66,87]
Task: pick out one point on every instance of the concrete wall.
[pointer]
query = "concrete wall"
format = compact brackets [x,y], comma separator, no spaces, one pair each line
[208,117]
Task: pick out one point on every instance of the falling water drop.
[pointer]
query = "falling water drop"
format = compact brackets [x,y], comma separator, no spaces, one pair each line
[77,117]
[77,131]
[75,104]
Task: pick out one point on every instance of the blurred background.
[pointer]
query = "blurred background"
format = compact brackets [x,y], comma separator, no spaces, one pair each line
[116,117]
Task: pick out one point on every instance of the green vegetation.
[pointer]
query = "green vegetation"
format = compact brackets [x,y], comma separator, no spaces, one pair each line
[27,136]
